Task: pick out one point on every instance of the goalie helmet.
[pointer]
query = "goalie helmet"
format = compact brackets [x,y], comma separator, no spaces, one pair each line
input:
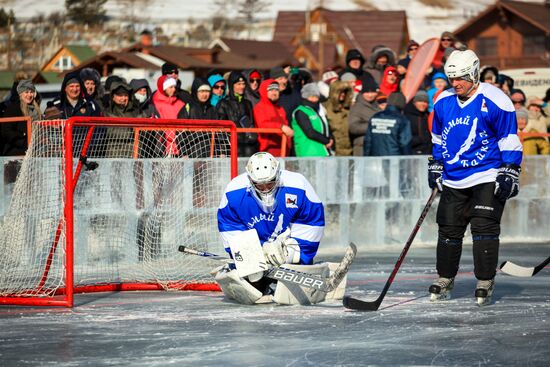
[463,64]
[264,172]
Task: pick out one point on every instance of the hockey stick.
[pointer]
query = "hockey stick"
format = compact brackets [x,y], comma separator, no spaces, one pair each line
[293,276]
[512,269]
[356,304]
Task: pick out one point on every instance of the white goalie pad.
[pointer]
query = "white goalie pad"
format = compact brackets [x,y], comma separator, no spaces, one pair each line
[338,292]
[238,289]
[294,294]
[248,254]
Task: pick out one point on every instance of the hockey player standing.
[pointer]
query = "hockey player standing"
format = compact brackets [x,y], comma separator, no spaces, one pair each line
[268,217]
[476,165]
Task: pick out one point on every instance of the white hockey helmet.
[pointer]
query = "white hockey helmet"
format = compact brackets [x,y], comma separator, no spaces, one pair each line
[264,172]
[463,64]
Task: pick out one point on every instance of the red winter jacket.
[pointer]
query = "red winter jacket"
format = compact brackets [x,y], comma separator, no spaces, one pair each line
[168,108]
[269,115]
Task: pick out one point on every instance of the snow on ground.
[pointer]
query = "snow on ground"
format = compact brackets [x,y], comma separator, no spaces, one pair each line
[201,329]
[424,22]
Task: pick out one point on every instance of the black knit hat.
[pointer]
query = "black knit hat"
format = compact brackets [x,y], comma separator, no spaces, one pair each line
[169,68]
[354,54]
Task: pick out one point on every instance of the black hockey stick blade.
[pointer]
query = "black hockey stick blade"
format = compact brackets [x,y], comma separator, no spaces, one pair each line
[512,269]
[357,304]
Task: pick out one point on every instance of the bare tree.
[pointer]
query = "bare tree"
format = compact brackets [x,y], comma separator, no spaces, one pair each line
[250,9]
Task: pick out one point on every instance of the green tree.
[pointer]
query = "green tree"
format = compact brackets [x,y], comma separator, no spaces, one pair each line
[86,11]
[6,18]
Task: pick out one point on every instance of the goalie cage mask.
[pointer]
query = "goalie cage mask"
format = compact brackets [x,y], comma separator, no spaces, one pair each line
[264,174]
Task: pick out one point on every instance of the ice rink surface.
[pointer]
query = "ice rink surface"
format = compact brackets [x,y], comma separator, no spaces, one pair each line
[201,329]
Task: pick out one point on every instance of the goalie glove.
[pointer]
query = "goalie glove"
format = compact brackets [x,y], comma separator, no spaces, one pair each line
[283,250]
[435,174]
[507,181]
[275,252]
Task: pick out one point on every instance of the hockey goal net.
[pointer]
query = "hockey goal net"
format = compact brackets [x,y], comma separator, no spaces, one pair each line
[103,204]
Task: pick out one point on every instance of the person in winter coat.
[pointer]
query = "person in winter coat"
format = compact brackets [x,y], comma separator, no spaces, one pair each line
[268,114]
[219,88]
[92,83]
[198,144]
[252,91]
[236,108]
[200,107]
[168,106]
[72,101]
[417,113]
[439,83]
[389,132]
[380,58]
[532,145]
[121,139]
[143,95]
[390,81]
[361,112]
[289,95]
[309,122]
[14,134]
[338,107]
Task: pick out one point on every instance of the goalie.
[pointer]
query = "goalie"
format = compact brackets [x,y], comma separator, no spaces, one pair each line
[269,217]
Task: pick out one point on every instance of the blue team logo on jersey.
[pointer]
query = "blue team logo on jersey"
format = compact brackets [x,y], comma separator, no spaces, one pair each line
[291,201]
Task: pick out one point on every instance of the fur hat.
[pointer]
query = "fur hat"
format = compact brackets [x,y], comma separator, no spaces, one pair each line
[24,85]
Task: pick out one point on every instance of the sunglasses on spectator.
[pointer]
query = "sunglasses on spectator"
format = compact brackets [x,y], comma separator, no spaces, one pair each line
[172,72]
[413,48]
[391,72]
[254,80]
[522,101]
[446,39]
[222,87]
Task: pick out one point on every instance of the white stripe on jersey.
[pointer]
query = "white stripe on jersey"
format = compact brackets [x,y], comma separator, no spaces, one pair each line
[436,139]
[510,143]
[306,232]
[296,180]
[497,96]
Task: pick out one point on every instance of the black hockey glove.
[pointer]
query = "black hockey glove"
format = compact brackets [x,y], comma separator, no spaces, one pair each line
[507,182]
[435,174]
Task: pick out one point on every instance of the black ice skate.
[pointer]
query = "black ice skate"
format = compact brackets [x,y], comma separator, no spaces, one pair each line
[441,289]
[484,291]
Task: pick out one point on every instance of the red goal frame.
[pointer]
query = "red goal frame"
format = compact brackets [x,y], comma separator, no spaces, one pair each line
[64,296]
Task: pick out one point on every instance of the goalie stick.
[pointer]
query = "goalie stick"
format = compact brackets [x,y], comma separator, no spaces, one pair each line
[512,269]
[293,276]
[357,304]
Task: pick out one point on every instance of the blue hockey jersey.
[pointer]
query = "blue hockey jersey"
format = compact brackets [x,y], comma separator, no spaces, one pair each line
[296,206]
[475,137]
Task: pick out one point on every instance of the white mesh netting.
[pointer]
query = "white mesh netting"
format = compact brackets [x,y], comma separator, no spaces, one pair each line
[153,189]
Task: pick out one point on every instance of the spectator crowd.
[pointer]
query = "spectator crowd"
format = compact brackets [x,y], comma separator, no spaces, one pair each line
[351,111]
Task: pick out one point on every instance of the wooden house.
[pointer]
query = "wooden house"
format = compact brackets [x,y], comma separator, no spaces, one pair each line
[510,35]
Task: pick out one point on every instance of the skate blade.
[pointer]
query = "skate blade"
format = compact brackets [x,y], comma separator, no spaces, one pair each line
[483,301]
[434,297]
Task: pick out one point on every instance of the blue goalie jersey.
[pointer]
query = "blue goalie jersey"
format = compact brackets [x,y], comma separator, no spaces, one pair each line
[297,207]
[476,137]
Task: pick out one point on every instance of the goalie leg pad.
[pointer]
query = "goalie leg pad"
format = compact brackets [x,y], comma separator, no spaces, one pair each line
[237,288]
[294,294]
[338,292]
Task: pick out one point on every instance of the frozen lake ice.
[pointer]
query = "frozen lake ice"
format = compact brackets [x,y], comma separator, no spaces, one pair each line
[202,329]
